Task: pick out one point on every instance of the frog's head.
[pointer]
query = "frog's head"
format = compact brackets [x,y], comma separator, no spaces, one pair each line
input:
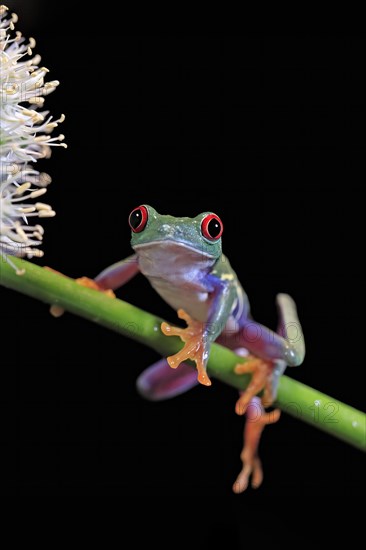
[201,234]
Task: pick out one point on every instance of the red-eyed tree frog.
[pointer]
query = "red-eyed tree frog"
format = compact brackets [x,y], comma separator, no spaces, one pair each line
[182,259]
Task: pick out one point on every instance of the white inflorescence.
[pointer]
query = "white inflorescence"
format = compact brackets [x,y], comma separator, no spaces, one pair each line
[24,138]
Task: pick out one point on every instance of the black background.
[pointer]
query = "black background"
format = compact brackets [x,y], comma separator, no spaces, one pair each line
[163,120]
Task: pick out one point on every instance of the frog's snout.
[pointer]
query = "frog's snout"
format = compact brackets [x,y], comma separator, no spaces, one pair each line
[169,231]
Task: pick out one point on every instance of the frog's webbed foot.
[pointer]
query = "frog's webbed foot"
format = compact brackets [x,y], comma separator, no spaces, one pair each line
[261,371]
[57,310]
[195,347]
[91,283]
[256,420]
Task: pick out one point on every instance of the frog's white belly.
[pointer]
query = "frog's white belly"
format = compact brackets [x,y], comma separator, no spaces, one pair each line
[177,273]
[193,301]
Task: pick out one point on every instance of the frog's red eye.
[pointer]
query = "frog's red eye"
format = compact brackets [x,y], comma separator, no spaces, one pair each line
[138,219]
[212,227]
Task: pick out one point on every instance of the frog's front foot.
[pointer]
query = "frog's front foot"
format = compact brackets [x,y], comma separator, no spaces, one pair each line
[91,283]
[261,371]
[57,310]
[256,420]
[195,347]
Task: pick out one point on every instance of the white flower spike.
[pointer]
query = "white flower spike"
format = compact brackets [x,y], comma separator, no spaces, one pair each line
[24,138]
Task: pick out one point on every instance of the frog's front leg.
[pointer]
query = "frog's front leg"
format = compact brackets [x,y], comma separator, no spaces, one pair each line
[195,347]
[118,274]
[108,280]
[113,277]
[199,336]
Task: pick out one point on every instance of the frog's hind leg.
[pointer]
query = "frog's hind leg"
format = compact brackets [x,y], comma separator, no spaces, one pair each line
[287,344]
[256,420]
[272,352]
[265,376]
[160,382]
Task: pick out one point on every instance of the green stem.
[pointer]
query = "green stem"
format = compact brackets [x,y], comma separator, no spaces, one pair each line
[303,402]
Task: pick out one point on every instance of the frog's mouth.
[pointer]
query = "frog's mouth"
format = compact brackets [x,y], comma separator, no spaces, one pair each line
[172,263]
[166,246]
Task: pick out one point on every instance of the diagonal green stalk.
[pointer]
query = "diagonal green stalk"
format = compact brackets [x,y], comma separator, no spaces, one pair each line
[305,403]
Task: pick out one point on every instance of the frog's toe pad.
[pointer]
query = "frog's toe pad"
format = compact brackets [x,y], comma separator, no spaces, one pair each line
[160,382]
[252,468]
[194,346]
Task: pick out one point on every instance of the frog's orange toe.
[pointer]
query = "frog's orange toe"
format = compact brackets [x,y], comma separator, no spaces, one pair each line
[261,371]
[90,283]
[173,361]
[251,469]
[194,347]
[58,311]
[204,379]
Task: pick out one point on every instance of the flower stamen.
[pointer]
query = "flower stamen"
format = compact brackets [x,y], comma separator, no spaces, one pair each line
[24,138]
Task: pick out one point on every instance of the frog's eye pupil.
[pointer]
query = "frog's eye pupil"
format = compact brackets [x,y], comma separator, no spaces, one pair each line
[212,227]
[135,219]
[138,219]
